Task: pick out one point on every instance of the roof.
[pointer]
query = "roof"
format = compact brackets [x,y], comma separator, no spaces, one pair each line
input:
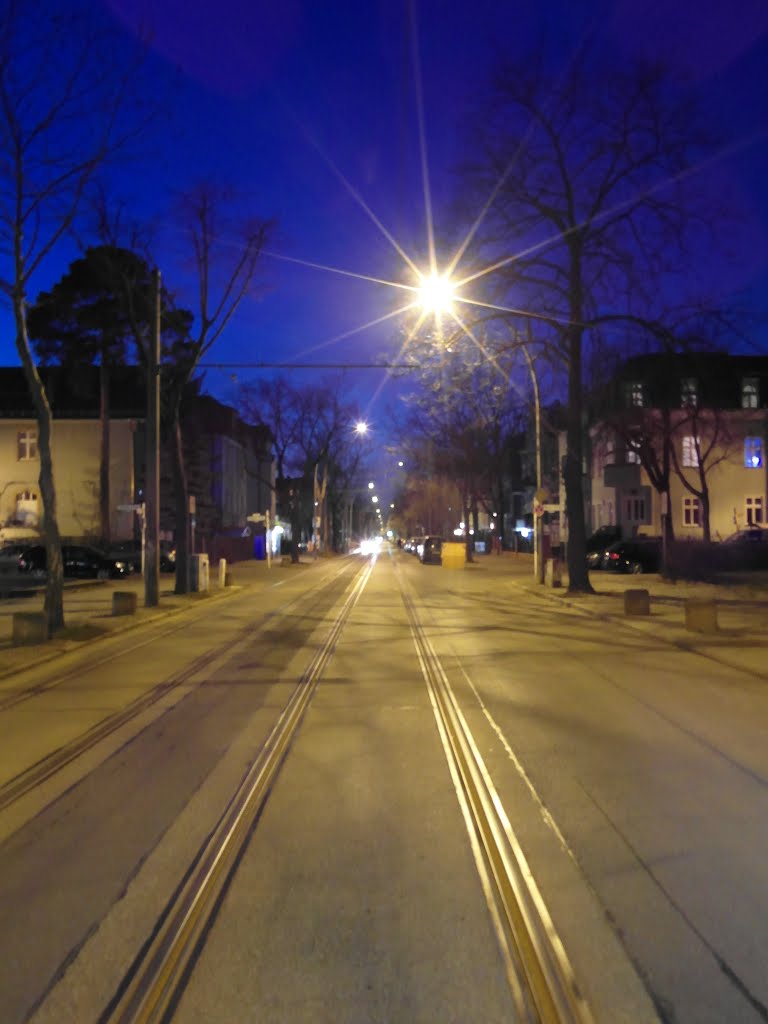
[73,393]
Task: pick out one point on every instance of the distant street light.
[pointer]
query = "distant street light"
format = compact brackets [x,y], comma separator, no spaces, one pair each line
[374,499]
[371,485]
[361,428]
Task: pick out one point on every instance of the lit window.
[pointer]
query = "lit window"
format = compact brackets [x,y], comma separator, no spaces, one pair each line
[26,445]
[755,510]
[633,453]
[753,452]
[689,392]
[750,393]
[690,452]
[633,393]
[691,512]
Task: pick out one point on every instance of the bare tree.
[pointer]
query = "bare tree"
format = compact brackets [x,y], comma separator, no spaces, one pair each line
[225,259]
[589,207]
[458,424]
[64,95]
[314,438]
[707,439]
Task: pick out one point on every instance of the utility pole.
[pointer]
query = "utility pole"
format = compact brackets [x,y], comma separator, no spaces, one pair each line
[152,457]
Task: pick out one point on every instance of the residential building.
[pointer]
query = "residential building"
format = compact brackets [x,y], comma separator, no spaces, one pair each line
[704,413]
[229,463]
[76,451]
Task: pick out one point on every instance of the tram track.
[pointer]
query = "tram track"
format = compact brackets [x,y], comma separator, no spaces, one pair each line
[35,775]
[156,980]
[540,976]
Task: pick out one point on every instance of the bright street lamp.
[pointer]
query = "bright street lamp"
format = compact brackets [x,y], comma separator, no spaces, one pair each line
[361,428]
[436,293]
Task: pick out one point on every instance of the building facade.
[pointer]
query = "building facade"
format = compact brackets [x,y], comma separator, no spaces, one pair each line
[229,463]
[698,419]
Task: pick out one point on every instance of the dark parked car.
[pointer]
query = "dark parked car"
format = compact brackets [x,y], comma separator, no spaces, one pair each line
[599,542]
[129,551]
[9,555]
[431,550]
[748,537]
[80,562]
[642,554]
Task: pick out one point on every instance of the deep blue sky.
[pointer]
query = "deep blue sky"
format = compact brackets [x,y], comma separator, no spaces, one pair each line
[262,95]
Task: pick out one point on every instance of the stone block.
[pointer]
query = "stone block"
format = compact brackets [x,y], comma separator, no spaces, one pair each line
[124,602]
[637,602]
[701,615]
[29,628]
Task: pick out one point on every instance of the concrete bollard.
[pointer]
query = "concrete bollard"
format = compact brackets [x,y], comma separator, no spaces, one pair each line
[637,602]
[124,602]
[701,615]
[222,572]
[29,628]
[552,573]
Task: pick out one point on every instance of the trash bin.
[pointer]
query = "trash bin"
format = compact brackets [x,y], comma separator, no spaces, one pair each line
[200,572]
[259,547]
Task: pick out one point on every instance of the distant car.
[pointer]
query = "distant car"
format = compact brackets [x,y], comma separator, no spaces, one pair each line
[599,542]
[641,554]
[431,550]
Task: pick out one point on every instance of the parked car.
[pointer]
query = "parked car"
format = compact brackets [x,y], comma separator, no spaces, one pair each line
[749,536]
[599,543]
[130,551]
[641,554]
[13,560]
[431,550]
[80,562]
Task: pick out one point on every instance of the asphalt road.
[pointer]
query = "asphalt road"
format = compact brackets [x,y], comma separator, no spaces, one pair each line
[630,758]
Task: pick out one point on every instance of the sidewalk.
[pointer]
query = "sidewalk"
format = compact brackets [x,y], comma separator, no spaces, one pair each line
[88,611]
[740,641]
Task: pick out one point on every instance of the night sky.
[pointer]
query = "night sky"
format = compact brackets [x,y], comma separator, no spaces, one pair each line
[299,104]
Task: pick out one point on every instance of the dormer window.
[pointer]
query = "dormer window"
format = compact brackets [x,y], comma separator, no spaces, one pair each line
[689,392]
[750,393]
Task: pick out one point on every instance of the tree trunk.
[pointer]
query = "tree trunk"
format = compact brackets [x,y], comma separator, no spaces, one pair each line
[295,527]
[104,507]
[181,497]
[706,530]
[578,575]
[54,587]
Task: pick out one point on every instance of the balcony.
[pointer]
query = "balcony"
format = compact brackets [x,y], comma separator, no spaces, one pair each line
[624,476]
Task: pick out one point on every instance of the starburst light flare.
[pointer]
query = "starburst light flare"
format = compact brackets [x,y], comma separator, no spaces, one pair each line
[436,294]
